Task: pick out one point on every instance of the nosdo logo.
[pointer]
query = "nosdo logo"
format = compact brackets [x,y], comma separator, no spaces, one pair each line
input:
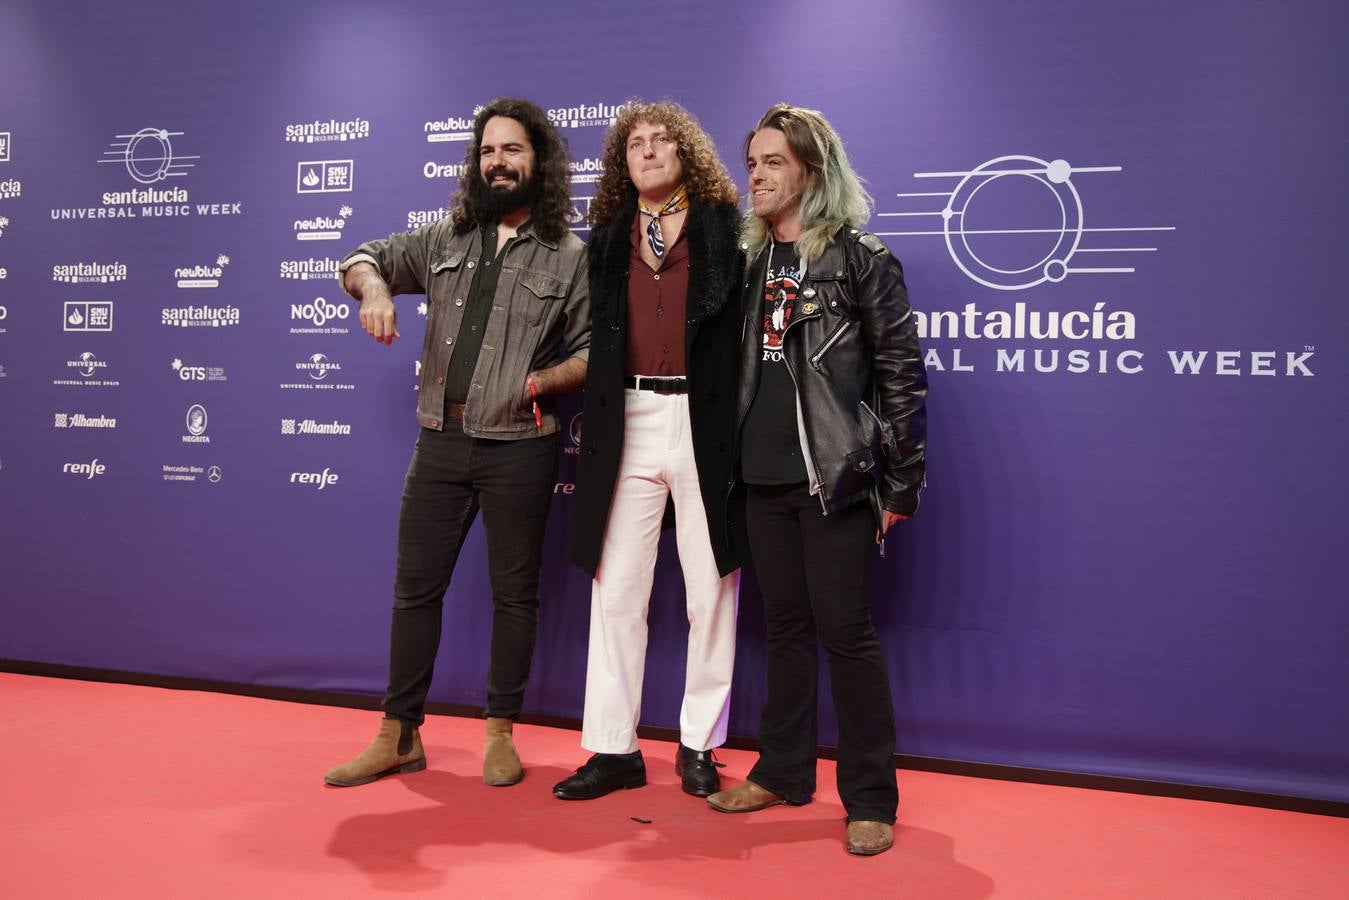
[87,470]
[586,171]
[319,131]
[320,312]
[200,276]
[81,273]
[323,228]
[319,480]
[317,367]
[307,269]
[444,170]
[197,373]
[586,115]
[451,128]
[420,217]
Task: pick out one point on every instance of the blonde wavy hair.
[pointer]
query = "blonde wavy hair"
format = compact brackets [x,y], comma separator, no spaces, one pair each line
[705,176]
[833,196]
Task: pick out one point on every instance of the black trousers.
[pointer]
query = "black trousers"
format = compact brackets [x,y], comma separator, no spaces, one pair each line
[813,571]
[450,478]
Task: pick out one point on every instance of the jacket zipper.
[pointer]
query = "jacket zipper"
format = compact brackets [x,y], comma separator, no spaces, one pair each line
[833,339]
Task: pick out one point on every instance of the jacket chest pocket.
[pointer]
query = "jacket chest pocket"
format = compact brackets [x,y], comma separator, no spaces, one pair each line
[536,295]
[444,285]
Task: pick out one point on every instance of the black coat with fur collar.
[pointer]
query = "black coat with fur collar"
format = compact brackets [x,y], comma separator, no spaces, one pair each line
[711,338]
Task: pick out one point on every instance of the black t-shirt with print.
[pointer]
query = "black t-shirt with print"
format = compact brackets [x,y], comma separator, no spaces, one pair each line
[771,451]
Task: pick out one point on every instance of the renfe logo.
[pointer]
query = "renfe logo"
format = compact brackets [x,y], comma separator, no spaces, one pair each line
[320,479]
[88,470]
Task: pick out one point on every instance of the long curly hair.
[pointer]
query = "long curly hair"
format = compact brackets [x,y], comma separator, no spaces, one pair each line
[705,176]
[833,195]
[552,200]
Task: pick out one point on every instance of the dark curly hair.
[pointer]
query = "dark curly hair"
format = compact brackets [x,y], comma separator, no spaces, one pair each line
[704,175]
[552,202]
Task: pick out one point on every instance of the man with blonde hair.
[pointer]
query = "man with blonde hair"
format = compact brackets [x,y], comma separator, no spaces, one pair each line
[665,269]
[832,420]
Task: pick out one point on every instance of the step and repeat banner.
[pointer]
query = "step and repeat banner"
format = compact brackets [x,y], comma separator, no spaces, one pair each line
[1121,227]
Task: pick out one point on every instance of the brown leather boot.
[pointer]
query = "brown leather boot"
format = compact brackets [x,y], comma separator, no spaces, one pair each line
[869,838]
[500,763]
[396,749]
[745,797]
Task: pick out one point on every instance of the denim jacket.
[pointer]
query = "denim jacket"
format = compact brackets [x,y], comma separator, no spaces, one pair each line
[541,314]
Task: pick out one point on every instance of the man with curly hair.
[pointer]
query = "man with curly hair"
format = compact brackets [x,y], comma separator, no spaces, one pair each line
[665,268]
[508,327]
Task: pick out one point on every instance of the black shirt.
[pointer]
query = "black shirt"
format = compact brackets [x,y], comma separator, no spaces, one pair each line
[481,295]
[771,443]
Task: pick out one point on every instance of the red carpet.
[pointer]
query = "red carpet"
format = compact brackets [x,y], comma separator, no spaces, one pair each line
[117,791]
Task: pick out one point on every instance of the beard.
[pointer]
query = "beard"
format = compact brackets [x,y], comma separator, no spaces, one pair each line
[496,201]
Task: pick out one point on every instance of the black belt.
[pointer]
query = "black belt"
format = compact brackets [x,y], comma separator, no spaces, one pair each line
[676,384]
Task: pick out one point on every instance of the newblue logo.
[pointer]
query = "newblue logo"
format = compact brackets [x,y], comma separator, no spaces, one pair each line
[586,171]
[201,276]
[323,228]
[453,128]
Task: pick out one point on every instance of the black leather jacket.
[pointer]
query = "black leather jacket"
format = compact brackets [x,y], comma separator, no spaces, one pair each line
[851,346]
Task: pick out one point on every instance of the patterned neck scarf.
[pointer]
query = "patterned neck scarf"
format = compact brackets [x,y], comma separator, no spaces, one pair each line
[678,202]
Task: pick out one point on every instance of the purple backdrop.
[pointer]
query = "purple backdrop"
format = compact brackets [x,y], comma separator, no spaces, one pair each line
[1119,227]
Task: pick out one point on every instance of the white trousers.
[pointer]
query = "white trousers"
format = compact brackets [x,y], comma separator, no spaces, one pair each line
[657,461]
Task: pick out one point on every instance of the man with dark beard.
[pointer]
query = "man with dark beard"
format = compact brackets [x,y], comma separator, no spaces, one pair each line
[508,328]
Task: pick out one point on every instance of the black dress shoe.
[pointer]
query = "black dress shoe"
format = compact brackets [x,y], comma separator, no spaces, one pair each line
[697,770]
[602,773]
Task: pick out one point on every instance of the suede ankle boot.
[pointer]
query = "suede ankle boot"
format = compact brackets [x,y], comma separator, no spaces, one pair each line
[500,763]
[396,749]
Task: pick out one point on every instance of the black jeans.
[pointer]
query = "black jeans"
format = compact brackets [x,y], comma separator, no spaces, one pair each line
[451,476]
[813,571]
